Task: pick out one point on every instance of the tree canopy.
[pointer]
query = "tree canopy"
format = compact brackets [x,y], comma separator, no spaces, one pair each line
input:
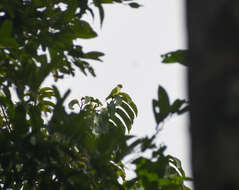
[47,143]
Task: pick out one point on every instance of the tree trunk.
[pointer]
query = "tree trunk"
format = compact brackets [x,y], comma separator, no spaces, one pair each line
[213,40]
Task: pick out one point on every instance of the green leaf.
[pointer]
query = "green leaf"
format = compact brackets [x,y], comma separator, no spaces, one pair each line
[118,123]
[48,103]
[6,28]
[184,109]
[161,107]
[177,163]
[93,55]
[19,122]
[175,107]
[72,103]
[163,97]
[134,5]
[101,10]
[129,101]
[5,32]
[111,107]
[84,30]
[42,90]
[38,3]
[102,14]
[45,94]
[156,110]
[121,173]
[178,56]
[128,110]
[107,1]
[125,118]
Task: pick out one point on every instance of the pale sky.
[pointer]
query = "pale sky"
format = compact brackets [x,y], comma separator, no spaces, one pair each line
[133,40]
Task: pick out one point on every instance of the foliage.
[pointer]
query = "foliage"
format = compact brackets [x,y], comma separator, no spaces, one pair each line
[160,171]
[162,107]
[44,144]
[178,56]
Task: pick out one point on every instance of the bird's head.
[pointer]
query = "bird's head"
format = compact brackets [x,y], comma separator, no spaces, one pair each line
[120,85]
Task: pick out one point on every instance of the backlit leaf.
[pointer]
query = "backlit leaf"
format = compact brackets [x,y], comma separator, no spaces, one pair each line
[93,55]
[72,103]
[119,123]
[134,5]
[84,30]
[178,56]
[125,118]
[128,110]
[129,101]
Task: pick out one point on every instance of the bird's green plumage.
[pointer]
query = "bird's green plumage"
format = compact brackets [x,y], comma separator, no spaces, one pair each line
[115,91]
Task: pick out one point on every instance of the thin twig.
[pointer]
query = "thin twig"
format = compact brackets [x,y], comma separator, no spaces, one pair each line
[5,117]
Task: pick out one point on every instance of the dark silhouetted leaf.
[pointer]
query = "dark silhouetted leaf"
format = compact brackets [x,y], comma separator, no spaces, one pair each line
[84,30]
[134,5]
[178,56]
[93,55]
[72,103]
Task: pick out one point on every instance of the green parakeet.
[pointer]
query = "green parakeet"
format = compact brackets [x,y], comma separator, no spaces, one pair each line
[115,91]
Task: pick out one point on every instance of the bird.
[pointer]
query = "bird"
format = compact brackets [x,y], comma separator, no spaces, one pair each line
[115,91]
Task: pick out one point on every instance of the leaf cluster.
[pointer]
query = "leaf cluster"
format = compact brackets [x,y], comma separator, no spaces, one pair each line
[70,150]
[162,107]
[160,172]
[43,145]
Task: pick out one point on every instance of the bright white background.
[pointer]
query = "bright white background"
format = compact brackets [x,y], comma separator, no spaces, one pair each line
[133,40]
